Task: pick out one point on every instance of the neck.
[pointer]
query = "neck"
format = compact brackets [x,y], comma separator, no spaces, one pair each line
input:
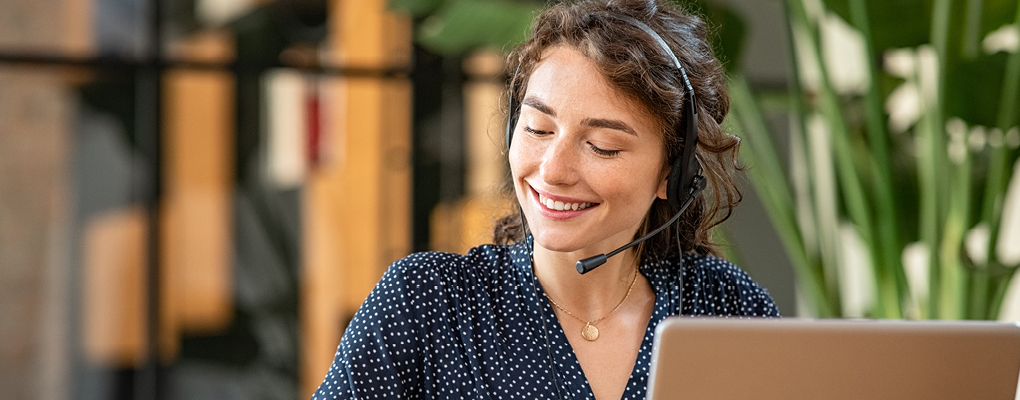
[591,295]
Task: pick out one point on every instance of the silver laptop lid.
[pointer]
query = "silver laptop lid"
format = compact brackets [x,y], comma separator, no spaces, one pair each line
[718,358]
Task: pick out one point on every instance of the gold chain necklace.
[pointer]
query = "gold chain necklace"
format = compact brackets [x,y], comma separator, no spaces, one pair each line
[590,332]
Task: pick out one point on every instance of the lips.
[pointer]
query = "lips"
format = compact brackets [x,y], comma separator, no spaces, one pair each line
[560,205]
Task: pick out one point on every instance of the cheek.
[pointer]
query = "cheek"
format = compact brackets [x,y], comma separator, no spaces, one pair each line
[637,186]
[521,157]
[514,158]
[518,168]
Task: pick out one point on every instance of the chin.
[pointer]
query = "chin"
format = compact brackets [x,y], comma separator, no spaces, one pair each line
[559,249]
[558,244]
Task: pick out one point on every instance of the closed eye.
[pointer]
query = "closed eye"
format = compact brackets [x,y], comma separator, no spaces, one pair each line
[603,152]
[534,131]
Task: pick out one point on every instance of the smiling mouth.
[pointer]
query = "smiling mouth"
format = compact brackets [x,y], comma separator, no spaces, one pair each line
[561,206]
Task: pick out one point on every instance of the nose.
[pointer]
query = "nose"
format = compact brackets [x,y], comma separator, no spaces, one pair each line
[559,163]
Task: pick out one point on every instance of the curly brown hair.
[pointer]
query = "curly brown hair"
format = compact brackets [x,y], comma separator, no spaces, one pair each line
[635,63]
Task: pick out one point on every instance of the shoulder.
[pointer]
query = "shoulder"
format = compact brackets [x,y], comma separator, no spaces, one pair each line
[437,275]
[716,269]
[699,267]
[420,303]
[416,295]
[714,286]
[478,263]
[729,286]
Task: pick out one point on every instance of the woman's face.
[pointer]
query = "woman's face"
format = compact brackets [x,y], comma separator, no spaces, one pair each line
[587,160]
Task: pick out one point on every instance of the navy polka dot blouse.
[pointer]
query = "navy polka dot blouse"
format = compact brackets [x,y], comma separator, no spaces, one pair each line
[454,326]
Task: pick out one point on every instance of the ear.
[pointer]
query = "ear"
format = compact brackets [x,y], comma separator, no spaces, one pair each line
[662,192]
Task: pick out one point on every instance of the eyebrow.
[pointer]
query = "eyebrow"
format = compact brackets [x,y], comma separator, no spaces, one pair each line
[592,122]
[609,124]
[538,105]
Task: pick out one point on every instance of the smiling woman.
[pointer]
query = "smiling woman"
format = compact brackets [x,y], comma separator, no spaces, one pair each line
[610,94]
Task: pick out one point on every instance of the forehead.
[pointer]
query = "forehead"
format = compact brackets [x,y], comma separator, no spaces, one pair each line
[565,78]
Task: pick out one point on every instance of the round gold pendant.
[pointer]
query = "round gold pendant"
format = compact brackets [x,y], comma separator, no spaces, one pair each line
[590,332]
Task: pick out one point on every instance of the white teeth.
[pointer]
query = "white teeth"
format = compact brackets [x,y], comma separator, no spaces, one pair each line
[561,206]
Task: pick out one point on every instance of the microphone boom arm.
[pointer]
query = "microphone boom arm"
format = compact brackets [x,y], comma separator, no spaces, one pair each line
[586,265]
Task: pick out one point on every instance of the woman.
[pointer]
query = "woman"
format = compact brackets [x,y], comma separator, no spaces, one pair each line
[599,116]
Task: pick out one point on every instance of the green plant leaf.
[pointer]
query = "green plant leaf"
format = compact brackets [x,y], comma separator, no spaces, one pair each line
[996,13]
[907,23]
[729,35]
[415,8]
[727,29]
[462,25]
[973,89]
[894,23]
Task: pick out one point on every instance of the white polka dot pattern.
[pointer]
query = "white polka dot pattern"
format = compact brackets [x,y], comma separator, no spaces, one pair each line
[452,326]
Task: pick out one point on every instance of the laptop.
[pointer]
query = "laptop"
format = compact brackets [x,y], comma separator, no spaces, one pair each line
[696,358]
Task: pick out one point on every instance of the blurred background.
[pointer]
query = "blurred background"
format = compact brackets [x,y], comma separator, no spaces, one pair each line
[197,195]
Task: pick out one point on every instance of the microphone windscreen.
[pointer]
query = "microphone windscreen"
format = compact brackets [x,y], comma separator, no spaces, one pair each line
[588,264]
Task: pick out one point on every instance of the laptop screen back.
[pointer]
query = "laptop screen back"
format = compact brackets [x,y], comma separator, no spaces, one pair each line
[834,359]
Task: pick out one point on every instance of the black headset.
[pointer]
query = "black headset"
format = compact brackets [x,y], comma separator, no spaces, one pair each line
[685,179]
